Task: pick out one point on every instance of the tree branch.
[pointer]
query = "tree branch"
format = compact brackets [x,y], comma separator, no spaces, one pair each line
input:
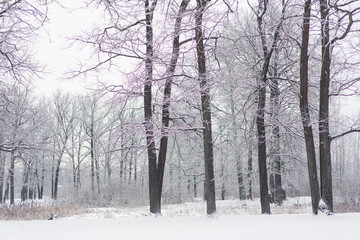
[344,133]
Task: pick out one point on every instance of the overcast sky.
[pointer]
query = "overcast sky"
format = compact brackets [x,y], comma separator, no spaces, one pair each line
[52,48]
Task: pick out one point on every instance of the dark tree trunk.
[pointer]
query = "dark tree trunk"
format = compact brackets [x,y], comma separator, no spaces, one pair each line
[260,123]
[195,186]
[149,128]
[324,133]
[2,174]
[135,165]
[222,176]
[205,109]
[260,116]
[167,93]
[56,179]
[92,157]
[24,189]
[122,152]
[131,164]
[250,172]
[157,167]
[41,188]
[12,177]
[53,172]
[57,172]
[304,109]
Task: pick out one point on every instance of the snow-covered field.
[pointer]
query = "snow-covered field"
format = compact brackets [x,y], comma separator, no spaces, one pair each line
[234,220]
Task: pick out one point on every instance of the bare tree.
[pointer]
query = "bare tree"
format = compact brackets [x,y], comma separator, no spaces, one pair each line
[260,118]
[205,108]
[19,20]
[327,45]
[65,113]
[304,109]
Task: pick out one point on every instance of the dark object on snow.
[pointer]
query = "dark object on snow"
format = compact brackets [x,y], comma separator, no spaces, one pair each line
[52,217]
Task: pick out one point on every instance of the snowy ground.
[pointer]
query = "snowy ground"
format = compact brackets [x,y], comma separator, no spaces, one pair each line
[234,220]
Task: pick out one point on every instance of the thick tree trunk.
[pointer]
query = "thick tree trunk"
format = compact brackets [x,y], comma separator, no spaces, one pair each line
[149,128]
[324,132]
[260,123]
[304,109]
[205,109]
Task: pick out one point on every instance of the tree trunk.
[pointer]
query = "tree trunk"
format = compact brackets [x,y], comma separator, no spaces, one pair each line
[277,192]
[7,188]
[57,172]
[41,189]
[167,93]
[324,132]
[260,123]
[149,128]
[222,175]
[2,173]
[260,116]
[239,171]
[92,157]
[195,186]
[205,109]
[12,177]
[250,160]
[24,190]
[250,172]
[304,109]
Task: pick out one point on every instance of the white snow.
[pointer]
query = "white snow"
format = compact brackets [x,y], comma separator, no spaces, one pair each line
[188,221]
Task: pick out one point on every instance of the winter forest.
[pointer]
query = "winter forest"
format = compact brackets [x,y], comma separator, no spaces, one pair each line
[180,100]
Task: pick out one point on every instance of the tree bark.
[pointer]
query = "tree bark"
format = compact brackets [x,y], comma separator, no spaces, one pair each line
[149,126]
[57,171]
[2,173]
[12,177]
[92,156]
[205,109]
[324,132]
[304,109]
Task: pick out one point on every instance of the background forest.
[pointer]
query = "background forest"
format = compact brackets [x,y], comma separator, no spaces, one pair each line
[184,99]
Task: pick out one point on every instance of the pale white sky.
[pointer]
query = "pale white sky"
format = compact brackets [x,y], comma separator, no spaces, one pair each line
[53,50]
